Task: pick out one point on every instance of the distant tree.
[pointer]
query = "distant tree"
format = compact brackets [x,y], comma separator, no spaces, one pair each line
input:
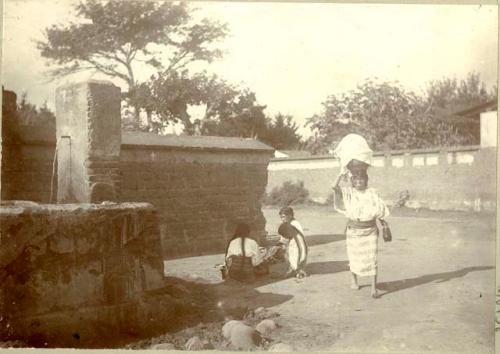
[450,94]
[282,133]
[387,115]
[447,96]
[374,110]
[165,98]
[234,112]
[115,36]
[30,115]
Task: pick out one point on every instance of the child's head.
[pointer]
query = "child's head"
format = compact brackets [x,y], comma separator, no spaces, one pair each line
[360,180]
[286,214]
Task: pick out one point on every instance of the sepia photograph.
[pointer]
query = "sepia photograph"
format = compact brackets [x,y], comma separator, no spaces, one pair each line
[249,176]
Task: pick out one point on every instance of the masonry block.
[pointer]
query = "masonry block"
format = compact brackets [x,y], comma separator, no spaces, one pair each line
[88,130]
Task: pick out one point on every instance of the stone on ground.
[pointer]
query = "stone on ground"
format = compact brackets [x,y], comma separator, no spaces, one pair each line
[195,343]
[244,337]
[228,327]
[266,326]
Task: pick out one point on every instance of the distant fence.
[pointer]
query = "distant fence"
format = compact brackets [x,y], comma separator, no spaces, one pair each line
[459,178]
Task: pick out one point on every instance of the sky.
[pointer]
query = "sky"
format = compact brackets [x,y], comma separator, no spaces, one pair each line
[293,55]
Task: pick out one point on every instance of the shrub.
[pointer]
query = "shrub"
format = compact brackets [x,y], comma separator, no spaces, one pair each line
[402,198]
[290,193]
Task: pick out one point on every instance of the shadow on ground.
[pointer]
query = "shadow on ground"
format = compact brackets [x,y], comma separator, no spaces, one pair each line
[397,285]
[198,309]
[327,267]
[321,239]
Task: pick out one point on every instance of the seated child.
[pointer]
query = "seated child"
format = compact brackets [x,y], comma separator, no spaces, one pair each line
[244,258]
[293,236]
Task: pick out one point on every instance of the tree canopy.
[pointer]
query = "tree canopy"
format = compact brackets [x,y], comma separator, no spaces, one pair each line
[391,117]
[116,36]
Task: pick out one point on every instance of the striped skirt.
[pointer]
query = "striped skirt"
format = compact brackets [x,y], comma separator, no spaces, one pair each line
[362,250]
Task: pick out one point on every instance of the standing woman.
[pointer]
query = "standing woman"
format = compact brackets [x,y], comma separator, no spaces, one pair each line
[362,206]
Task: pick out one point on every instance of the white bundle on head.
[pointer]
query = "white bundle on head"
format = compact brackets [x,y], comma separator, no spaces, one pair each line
[353,147]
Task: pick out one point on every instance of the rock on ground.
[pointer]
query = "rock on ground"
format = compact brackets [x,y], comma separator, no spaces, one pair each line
[195,343]
[245,337]
[266,326]
[228,327]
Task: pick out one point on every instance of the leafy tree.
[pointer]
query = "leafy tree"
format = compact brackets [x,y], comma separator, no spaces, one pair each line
[446,96]
[165,98]
[116,36]
[234,112]
[450,94]
[30,115]
[373,110]
[282,133]
[389,117]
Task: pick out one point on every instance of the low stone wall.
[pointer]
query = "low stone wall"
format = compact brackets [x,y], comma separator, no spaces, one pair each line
[75,275]
[201,186]
[461,178]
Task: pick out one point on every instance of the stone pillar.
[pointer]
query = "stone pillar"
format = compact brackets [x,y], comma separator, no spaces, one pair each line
[88,130]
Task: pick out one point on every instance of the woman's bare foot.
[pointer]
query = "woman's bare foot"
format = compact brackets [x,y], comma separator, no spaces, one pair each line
[374,293]
[301,274]
[354,282]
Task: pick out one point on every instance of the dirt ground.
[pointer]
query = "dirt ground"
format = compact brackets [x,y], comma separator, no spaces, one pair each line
[436,280]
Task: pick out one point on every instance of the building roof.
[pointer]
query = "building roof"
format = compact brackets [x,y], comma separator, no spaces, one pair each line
[193,142]
[476,110]
[467,115]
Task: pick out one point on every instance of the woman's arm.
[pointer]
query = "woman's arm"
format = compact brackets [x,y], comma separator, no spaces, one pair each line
[338,200]
[340,176]
[383,210]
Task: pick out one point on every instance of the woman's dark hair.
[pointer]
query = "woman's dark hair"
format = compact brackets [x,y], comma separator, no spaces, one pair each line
[242,230]
[286,211]
[287,231]
[356,166]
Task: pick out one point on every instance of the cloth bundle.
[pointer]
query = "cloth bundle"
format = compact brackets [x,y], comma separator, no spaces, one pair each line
[353,147]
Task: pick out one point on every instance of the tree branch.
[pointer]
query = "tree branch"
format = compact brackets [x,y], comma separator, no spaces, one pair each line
[179,57]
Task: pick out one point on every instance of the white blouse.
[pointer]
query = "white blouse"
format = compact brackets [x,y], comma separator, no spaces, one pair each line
[362,205]
[252,249]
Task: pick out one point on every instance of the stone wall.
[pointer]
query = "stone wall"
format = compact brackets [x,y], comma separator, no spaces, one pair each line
[27,172]
[75,274]
[202,186]
[461,178]
[27,157]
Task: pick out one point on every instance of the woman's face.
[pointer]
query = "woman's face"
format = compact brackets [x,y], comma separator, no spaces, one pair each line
[360,183]
[285,218]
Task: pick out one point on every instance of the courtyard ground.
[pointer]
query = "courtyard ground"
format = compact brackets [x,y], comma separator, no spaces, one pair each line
[436,281]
